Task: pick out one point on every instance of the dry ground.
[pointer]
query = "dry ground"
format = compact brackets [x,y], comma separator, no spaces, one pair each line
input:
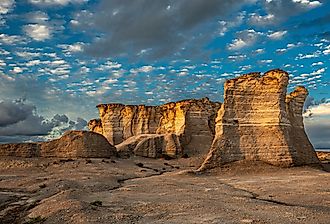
[140,190]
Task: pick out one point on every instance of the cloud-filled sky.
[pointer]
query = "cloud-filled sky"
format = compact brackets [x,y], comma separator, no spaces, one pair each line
[60,58]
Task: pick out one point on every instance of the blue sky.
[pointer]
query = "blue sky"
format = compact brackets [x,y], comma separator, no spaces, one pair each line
[60,58]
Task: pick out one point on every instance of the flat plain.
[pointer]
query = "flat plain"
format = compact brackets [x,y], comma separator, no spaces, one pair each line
[141,190]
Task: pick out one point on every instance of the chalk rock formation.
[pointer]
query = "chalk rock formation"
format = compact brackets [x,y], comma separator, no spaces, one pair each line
[73,144]
[78,144]
[20,150]
[192,121]
[151,145]
[257,121]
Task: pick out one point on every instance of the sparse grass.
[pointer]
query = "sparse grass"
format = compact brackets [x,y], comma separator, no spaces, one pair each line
[96,203]
[35,220]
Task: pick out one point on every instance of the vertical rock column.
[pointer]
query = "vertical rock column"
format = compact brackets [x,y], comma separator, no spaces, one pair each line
[304,152]
[254,124]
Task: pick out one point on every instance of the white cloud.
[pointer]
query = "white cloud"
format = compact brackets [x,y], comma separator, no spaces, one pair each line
[307,56]
[277,35]
[317,63]
[26,54]
[55,2]
[37,17]
[145,69]
[259,51]
[318,72]
[327,50]
[224,26]
[244,39]
[256,19]
[6,6]
[17,70]
[33,63]
[71,48]
[318,110]
[288,47]
[308,4]
[237,57]
[267,61]
[109,65]
[38,32]
[10,39]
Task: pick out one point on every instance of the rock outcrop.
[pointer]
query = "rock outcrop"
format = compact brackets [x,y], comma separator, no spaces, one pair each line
[26,150]
[191,121]
[257,121]
[73,144]
[151,145]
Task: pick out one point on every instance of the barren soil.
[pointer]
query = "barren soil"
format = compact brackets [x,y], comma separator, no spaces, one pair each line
[140,190]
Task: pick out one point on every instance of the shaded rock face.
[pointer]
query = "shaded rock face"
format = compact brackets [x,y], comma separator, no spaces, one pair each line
[20,150]
[73,144]
[257,121]
[192,121]
[151,145]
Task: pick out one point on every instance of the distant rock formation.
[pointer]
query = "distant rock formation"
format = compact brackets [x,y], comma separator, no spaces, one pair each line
[73,144]
[186,125]
[258,121]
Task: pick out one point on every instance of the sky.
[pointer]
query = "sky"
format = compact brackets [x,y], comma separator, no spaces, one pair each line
[60,58]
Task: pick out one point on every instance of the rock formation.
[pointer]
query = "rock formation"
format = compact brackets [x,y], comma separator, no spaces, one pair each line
[73,144]
[151,145]
[257,121]
[191,121]
[26,150]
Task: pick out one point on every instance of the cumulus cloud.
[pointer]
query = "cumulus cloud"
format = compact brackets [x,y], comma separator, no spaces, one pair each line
[244,39]
[317,124]
[11,39]
[170,32]
[20,121]
[38,32]
[259,20]
[277,35]
[13,112]
[280,10]
[225,26]
[6,6]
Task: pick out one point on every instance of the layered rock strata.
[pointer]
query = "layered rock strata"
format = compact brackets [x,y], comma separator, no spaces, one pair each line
[73,144]
[192,121]
[257,121]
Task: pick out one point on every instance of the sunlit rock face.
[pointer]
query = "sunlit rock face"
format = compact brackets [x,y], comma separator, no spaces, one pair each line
[191,121]
[258,121]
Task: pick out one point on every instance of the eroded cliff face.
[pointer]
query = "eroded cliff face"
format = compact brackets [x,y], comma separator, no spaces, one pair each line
[257,121]
[191,121]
